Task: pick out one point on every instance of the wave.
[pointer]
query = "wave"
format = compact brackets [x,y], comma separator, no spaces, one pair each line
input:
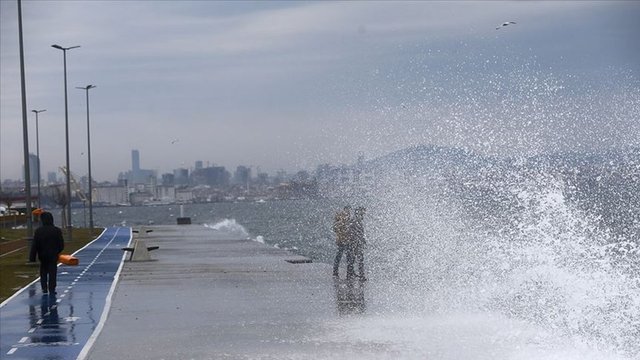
[229,225]
[534,255]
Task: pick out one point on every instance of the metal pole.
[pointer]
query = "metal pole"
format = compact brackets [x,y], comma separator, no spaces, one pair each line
[25,131]
[38,152]
[87,88]
[66,129]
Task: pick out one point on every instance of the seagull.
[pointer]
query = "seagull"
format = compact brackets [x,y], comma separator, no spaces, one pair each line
[505,24]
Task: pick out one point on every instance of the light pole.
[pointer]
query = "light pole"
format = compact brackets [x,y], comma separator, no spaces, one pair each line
[38,150]
[87,88]
[25,131]
[66,130]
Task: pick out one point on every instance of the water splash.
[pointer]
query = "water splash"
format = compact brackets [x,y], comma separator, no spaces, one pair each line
[531,255]
[231,226]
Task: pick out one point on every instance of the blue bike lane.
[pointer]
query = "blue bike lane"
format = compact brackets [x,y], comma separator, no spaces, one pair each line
[37,326]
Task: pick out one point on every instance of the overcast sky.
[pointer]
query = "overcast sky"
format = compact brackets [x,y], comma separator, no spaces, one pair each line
[289,85]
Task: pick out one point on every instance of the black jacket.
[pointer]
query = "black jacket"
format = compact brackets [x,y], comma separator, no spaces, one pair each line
[48,242]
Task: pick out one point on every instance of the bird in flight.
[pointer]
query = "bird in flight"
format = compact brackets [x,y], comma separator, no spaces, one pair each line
[505,24]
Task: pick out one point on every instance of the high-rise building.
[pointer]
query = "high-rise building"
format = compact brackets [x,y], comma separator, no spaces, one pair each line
[52,177]
[138,175]
[242,175]
[181,176]
[135,161]
[168,179]
[33,169]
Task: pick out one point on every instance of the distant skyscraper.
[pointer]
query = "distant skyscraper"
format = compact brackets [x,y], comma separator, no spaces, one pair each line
[198,164]
[52,177]
[135,161]
[137,175]
[242,175]
[33,169]
[181,176]
[168,179]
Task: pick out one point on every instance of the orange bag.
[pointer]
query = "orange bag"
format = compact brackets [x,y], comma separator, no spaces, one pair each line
[68,260]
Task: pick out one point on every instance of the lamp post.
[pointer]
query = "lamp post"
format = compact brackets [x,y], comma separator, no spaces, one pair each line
[87,88]
[25,131]
[66,130]
[38,150]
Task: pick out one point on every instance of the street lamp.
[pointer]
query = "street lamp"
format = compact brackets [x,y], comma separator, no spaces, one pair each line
[38,150]
[66,129]
[87,88]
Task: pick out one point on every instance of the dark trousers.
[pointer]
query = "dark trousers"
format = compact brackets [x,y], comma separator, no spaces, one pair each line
[336,263]
[48,275]
[358,256]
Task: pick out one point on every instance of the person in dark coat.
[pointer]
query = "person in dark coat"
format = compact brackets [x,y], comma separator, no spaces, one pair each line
[48,243]
[357,240]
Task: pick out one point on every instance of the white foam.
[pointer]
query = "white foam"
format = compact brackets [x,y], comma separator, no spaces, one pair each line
[229,225]
[549,265]
[445,336]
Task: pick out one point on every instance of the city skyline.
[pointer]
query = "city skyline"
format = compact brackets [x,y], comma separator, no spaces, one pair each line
[294,84]
[190,166]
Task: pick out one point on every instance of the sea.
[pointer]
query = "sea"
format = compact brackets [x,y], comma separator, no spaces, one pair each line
[467,257]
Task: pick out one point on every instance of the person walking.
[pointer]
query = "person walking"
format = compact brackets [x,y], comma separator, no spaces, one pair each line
[341,229]
[357,240]
[48,243]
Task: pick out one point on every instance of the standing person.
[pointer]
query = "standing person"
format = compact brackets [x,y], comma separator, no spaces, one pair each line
[341,228]
[356,233]
[48,243]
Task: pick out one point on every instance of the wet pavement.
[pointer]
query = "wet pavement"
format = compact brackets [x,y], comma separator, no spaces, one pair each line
[38,326]
[208,295]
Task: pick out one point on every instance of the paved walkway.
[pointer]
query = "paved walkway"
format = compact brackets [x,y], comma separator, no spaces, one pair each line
[210,296]
[37,326]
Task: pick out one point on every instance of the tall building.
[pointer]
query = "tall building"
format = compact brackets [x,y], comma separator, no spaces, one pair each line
[135,161]
[181,176]
[168,179]
[33,169]
[242,175]
[138,175]
[214,176]
[52,177]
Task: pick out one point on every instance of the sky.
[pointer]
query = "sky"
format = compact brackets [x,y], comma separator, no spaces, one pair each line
[290,85]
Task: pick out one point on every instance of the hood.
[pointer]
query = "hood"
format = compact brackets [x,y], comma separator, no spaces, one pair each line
[46,218]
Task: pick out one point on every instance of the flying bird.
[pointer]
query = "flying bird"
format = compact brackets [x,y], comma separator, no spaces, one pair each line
[505,24]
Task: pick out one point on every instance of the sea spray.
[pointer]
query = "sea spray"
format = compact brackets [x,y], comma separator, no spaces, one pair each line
[532,255]
[229,225]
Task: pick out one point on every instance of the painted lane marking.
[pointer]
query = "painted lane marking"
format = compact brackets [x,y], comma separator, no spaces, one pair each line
[24,340]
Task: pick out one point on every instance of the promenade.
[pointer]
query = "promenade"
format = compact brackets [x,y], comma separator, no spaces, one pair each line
[208,295]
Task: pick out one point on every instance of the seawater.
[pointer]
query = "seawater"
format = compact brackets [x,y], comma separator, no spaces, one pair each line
[303,226]
[547,280]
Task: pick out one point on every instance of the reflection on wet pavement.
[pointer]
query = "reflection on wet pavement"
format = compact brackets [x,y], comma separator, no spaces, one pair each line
[57,326]
[349,296]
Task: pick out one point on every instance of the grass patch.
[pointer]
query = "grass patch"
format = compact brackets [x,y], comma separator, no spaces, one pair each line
[15,269]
